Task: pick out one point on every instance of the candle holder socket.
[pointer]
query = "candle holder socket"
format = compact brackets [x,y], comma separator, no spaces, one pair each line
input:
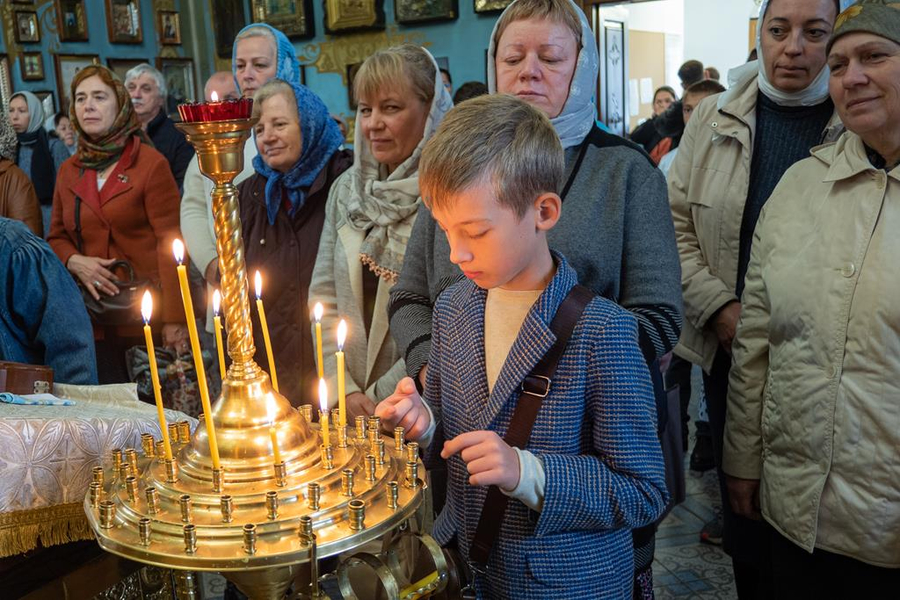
[370,467]
[125,470]
[361,428]
[144,531]
[107,514]
[357,514]
[171,470]
[186,513]
[160,449]
[379,452]
[250,538]
[347,483]
[306,411]
[152,500]
[342,436]
[393,494]
[118,457]
[218,480]
[398,438]
[227,505]
[173,433]
[272,505]
[131,486]
[131,457]
[147,445]
[184,432]
[97,474]
[190,539]
[412,474]
[280,474]
[96,493]
[327,457]
[412,451]
[314,494]
[306,526]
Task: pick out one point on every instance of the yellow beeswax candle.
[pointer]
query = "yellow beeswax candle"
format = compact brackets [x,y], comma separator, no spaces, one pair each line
[323,414]
[178,249]
[265,330]
[342,396]
[318,311]
[217,325]
[146,311]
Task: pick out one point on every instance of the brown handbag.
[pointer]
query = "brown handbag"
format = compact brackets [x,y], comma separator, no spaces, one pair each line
[22,379]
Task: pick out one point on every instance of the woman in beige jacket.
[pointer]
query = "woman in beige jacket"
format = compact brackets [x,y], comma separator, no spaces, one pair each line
[370,213]
[812,439]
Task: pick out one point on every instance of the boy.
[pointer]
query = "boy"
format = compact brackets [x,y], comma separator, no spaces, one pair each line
[592,469]
[691,100]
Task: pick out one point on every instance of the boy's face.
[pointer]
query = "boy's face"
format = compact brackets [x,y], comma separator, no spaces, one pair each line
[492,246]
[689,103]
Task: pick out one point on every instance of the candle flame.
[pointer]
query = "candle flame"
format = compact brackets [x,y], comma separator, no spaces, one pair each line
[147,306]
[257,279]
[178,250]
[217,302]
[341,334]
[214,97]
[323,396]
[318,311]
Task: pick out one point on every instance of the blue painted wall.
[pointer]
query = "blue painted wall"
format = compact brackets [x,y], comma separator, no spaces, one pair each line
[98,43]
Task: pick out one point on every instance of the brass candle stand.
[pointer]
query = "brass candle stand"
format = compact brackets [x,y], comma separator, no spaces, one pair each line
[262,525]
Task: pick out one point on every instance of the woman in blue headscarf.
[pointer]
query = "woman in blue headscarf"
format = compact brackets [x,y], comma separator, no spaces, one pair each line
[282,212]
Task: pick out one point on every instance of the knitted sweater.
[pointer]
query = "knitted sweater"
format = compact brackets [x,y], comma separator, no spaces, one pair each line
[615,230]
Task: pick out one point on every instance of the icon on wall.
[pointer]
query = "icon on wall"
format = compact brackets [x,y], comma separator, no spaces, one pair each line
[353,15]
[423,11]
[71,20]
[123,21]
[294,18]
[490,6]
[67,66]
[32,64]
[178,74]
[28,30]
[121,66]
[169,27]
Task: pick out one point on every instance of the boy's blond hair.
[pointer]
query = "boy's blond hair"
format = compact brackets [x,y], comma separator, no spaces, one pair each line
[273,87]
[497,139]
[555,11]
[384,69]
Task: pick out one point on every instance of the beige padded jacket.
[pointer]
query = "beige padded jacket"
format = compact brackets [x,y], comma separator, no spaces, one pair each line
[814,400]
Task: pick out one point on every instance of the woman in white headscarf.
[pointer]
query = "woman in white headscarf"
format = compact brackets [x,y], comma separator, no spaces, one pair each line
[734,151]
[39,156]
[615,229]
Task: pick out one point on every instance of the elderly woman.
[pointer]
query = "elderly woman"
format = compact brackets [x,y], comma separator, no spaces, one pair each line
[812,430]
[734,150]
[261,53]
[17,198]
[369,217]
[116,199]
[282,211]
[615,229]
[40,156]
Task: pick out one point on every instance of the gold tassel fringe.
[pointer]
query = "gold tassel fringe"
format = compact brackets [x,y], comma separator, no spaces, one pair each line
[24,530]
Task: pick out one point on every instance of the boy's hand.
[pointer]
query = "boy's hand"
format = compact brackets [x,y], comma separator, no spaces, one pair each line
[489,459]
[404,408]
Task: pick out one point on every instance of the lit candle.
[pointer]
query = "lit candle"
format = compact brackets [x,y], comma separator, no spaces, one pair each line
[323,414]
[273,435]
[342,396]
[146,311]
[178,249]
[217,325]
[265,330]
[318,310]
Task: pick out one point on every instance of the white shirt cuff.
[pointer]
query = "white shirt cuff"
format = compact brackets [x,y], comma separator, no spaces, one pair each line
[532,481]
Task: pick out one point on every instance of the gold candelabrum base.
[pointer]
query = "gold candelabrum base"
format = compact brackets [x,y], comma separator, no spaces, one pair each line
[262,525]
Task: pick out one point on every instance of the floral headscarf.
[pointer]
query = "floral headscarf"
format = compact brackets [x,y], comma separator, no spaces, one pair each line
[100,153]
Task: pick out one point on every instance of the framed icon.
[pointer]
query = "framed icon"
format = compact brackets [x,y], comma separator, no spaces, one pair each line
[293,18]
[423,11]
[32,64]
[71,20]
[28,30]
[123,21]
[169,27]
[67,66]
[178,73]
[353,15]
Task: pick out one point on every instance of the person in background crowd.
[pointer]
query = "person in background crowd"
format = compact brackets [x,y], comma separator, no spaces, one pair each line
[811,435]
[342,125]
[711,73]
[63,129]
[369,216]
[116,199]
[734,150]
[17,198]
[282,213]
[646,134]
[147,88]
[261,53]
[616,229]
[468,90]
[42,318]
[447,80]
[39,155]
[690,73]
[689,102]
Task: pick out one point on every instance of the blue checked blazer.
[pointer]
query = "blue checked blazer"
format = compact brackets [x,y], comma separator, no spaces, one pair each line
[595,435]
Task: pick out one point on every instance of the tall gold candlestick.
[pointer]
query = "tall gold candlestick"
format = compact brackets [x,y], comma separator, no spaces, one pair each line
[265,330]
[146,311]
[178,248]
[318,311]
[342,395]
[217,325]
[323,415]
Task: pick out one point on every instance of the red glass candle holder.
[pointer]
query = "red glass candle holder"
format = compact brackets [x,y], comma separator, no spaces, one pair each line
[207,112]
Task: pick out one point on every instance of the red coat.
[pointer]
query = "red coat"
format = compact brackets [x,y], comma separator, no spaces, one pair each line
[135,217]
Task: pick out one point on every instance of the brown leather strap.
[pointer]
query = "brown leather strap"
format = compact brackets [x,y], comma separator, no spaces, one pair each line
[533,390]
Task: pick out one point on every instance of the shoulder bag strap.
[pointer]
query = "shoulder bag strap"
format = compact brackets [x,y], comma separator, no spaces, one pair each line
[533,390]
